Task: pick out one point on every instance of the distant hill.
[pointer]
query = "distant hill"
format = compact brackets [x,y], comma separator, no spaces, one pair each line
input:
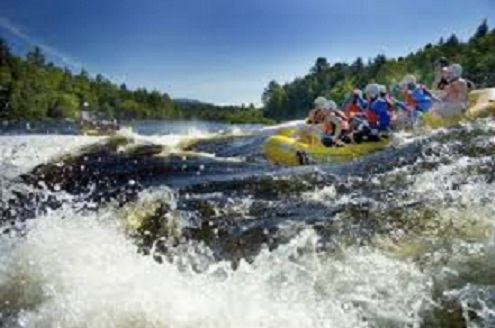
[186,101]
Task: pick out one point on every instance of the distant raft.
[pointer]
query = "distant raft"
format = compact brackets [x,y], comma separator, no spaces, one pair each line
[296,146]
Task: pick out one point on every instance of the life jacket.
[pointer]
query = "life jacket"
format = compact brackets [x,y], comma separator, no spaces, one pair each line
[371,115]
[353,109]
[409,100]
[328,125]
[317,116]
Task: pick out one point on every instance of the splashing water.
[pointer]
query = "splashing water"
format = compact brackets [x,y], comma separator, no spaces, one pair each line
[429,262]
[84,272]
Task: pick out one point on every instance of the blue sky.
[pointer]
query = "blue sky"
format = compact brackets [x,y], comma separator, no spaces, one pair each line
[226,51]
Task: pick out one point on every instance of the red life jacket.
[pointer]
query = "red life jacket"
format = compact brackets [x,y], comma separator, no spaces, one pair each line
[352,110]
[372,117]
[409,100]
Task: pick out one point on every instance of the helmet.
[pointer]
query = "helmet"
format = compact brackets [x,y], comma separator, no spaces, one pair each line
[358,93]
[331,105]
[456,70]
[409,79]
[383,89]
[373,90]
[320,102]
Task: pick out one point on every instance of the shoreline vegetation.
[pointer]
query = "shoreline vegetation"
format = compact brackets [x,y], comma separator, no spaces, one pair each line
[34,89]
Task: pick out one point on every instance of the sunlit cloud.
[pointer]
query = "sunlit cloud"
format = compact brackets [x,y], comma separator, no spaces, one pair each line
[19,33]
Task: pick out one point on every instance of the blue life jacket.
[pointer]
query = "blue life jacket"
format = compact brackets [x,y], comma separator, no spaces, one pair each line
[380,108]
[423,99]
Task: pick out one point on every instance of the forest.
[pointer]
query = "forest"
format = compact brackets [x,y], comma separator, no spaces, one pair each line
[32,88]
[292,100]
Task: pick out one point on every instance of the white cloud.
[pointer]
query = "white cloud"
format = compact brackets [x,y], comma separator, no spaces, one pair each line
[19,33]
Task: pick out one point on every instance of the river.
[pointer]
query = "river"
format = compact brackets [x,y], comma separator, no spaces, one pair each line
[402,238]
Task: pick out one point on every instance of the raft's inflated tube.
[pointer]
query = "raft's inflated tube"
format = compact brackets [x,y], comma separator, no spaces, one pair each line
[305,147]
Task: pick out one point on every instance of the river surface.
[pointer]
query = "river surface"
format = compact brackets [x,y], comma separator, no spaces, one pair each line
[401,238]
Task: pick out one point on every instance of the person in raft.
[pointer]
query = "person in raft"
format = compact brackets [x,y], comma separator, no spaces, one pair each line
[388,97]
[332,122]
[441,80]
[329,121]
[336,127]
[377,113]
[318,113]
[455,99]
[356,112]
[418,100]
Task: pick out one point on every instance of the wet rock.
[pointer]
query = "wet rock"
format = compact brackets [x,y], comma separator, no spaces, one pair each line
[104,166]
[149,221]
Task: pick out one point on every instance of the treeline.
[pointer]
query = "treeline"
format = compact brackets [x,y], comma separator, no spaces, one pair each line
[230,114]
[31,88]
[292,100]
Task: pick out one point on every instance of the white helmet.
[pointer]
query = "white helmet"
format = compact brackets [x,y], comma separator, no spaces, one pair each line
[373,90]
[332,105]
[358,93]
[456,70]
[409,79]
[383,89]
[320,102]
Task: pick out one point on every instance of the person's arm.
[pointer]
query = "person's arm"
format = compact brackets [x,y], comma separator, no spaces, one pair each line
[311,116]
[399,104]
[347,111]
[437,79]
[430,94]
[337,121]
[362,103]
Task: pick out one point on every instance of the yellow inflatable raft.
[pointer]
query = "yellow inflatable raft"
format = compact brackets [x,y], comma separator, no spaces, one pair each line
[300,147]
[292,146]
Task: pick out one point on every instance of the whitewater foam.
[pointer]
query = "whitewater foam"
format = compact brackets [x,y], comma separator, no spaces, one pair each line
[76,271]
[21,153]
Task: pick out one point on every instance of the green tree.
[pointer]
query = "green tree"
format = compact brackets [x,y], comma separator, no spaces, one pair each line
[275,100]
[321,65]
[63,106]
[481,31]
[36,57]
